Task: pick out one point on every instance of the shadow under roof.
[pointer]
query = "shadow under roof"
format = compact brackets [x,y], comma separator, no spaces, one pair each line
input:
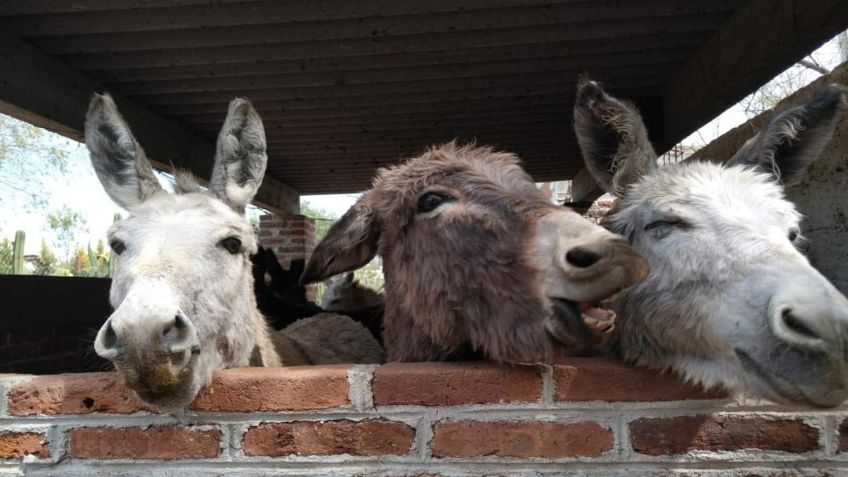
[345,87]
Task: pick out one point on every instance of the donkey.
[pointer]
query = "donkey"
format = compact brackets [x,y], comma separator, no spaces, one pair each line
[346,293]
[477,262]
[730,301]
[281,299]
[183,287]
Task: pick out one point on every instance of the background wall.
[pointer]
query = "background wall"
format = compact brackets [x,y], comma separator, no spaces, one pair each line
[48,324]
[822,197]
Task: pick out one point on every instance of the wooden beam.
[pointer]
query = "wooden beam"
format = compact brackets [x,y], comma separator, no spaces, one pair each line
[43,91]
[754,45]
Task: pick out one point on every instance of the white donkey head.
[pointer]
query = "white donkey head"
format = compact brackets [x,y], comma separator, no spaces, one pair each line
[183,290]
[730,300]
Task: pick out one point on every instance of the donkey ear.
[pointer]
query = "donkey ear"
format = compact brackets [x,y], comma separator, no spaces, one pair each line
[240,156]
[349,244]
[793,139]
[612,137]
[118,159]
[296,267]
[273,265]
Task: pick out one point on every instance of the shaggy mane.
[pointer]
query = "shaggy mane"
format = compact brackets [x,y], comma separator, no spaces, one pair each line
[185,182]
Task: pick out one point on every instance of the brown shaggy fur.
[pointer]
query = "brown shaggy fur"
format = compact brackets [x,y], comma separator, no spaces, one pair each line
[459,280]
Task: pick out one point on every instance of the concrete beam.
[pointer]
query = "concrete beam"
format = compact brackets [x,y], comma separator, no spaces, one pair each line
[43,91]
[754,45]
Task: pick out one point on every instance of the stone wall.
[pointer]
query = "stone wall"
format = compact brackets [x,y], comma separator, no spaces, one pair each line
[586,417]
[822,197]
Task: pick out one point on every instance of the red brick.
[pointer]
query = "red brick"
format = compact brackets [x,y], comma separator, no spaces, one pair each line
[73,394]
[678,435]
[294,249]
[276,389]
[843,436]
[270,241]
[451,384]
[520,439]
[371,437]
[156,442]
[19,444]
[594,379]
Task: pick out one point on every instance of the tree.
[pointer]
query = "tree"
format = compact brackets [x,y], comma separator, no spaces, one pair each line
[47,263]
[65,224]
[323,219]
[28,156]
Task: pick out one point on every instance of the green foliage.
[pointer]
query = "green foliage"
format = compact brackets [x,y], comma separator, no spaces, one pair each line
[18,258]
[7,254]
[92,263]
[12,255]
[323,219]
[47,263]
[66,224]
[371,275]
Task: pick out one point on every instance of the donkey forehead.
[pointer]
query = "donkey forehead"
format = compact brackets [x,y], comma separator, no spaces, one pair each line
[461,167]
[715,192]
[200,212]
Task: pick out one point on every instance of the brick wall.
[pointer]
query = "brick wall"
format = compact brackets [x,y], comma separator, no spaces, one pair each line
[290,236]
[583,417]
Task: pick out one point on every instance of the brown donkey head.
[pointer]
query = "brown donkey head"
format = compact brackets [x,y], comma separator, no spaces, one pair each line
[476,259]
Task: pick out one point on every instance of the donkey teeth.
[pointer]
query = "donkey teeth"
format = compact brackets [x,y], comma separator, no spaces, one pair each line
[598,325]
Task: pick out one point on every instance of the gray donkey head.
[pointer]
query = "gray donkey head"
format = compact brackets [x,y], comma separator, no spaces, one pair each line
[183,289]
[730,300]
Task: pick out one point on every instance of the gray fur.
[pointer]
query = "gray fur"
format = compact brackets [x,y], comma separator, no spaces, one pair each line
[118,159]
[346,293]
[183,295]
[240,156]
[794,138]
[305,341]
[616,149]
[730,301]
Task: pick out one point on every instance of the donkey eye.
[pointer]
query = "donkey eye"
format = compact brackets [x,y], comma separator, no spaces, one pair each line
[117,246]
[663,223]
[793,235]
[231,244]
[431,200]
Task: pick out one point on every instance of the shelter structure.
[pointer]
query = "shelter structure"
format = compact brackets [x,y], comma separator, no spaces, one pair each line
[346,87]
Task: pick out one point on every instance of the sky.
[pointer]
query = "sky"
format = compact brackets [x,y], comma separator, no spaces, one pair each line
[80,189]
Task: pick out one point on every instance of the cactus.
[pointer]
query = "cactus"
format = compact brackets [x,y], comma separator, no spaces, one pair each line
[18,257]
[112,256]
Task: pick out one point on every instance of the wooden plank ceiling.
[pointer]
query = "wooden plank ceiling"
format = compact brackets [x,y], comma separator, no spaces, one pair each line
[347,86]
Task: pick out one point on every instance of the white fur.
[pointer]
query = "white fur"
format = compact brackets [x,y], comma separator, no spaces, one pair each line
[175,263]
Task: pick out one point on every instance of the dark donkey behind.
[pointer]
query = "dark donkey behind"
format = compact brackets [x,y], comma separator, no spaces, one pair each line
[476,260]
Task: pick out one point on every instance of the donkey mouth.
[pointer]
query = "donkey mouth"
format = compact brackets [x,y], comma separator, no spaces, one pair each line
[577,324]
[778,388]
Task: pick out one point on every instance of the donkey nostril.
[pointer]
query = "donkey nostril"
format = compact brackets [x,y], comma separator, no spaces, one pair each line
[582,258]
[110,338]
[174,328]
[796,325]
